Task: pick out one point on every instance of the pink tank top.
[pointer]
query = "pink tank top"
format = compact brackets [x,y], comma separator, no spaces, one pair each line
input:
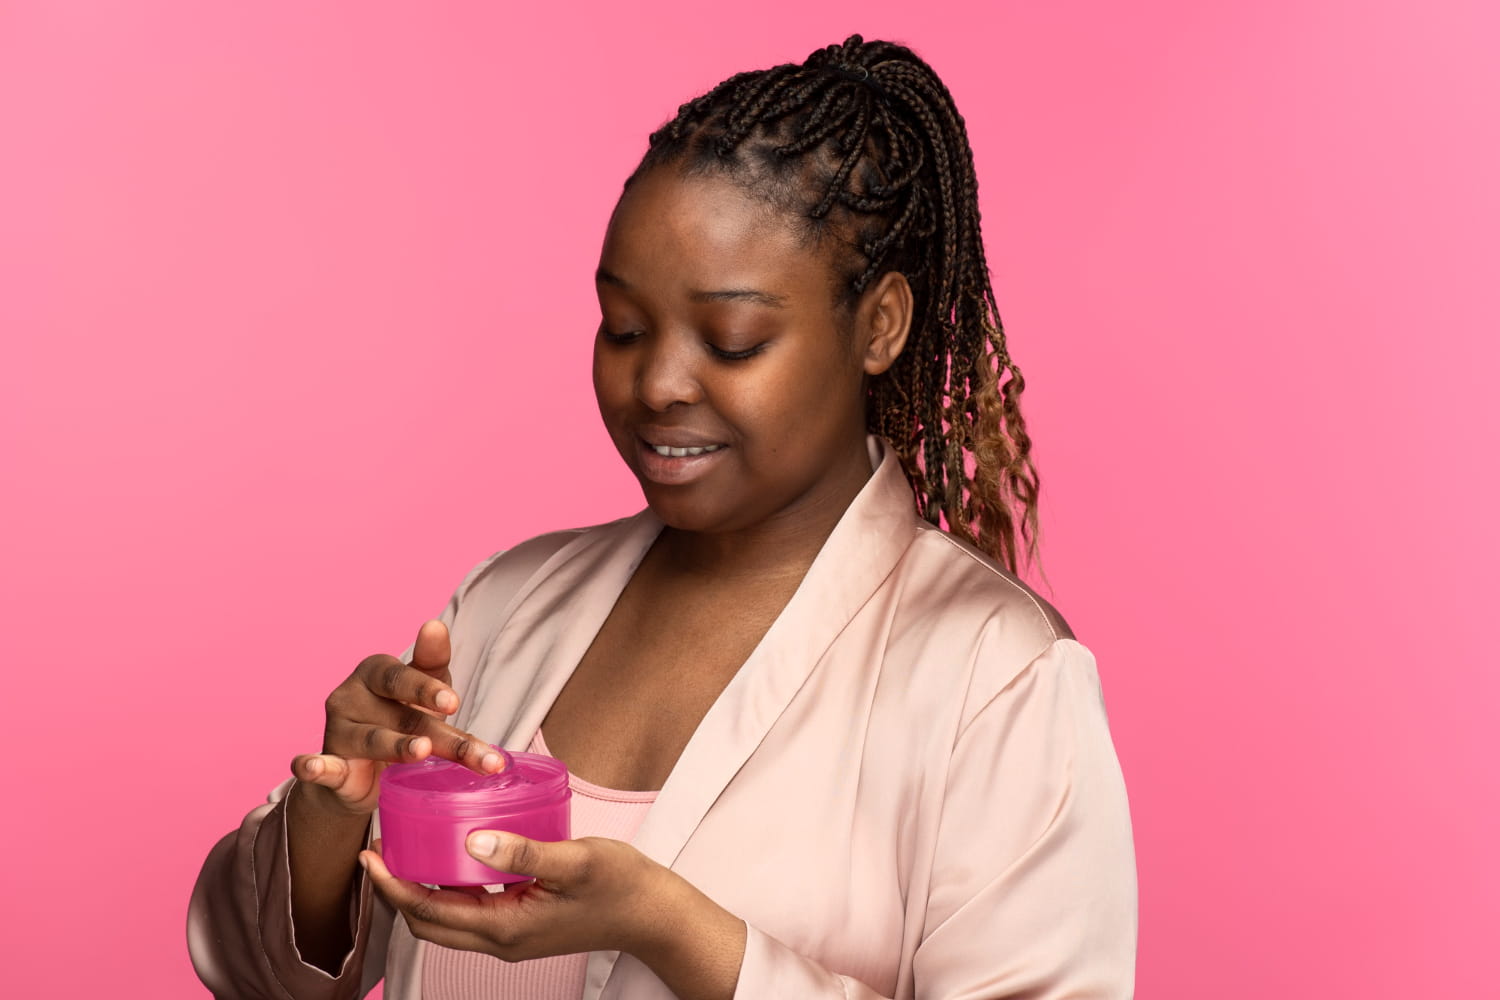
[448,974]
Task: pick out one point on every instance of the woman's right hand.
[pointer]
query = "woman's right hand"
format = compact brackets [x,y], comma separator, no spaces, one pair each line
[387,712]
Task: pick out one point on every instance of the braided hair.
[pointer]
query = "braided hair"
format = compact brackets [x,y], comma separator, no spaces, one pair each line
[863,144]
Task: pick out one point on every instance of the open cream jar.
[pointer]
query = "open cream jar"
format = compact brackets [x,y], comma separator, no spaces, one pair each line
[428,809]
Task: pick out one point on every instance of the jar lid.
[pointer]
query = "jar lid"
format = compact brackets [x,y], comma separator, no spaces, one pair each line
[440,786]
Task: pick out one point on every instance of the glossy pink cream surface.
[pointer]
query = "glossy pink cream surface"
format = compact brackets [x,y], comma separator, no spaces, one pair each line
[428,809]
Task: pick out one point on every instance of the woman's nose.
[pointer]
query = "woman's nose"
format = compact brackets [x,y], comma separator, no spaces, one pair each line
[667,375]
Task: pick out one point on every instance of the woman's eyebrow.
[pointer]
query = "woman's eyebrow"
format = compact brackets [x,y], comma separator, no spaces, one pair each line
[603,277]
[755,295]
[739,295]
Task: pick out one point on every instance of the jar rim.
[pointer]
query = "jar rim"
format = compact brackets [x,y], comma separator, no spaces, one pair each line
[439,786]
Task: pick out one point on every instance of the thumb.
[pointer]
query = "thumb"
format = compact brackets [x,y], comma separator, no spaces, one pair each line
[516,855]
[432,649]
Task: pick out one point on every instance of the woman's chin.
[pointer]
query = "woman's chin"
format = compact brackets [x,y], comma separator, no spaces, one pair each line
[690,510]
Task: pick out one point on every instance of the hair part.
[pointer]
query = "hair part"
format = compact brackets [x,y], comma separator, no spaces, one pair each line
[863,144]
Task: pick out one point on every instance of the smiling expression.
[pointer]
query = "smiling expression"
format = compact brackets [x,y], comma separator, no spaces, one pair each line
[724,371]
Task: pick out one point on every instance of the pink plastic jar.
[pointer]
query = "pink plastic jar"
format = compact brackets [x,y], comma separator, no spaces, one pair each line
[429,808]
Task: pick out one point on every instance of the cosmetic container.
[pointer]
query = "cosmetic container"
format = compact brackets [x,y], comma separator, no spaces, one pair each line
[428,809]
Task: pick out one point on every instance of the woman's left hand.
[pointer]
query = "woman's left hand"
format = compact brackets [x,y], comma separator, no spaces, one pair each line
[591,894]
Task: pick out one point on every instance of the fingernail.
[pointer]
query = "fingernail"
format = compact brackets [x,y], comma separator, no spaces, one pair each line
[483,843]
[491,762]
[314,767]
[447,701]
[364,862]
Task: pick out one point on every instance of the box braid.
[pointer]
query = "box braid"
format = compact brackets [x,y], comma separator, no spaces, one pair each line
[863,143]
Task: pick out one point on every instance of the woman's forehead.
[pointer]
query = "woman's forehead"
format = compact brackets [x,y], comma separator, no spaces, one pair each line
[703,232]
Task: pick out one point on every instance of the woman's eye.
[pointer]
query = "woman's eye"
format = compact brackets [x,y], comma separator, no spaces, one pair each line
[618,338]
[724,355]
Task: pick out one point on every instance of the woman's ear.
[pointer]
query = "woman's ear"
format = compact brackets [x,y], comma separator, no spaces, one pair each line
[884,320]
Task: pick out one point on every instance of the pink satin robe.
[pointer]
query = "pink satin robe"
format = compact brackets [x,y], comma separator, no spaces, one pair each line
[908,790]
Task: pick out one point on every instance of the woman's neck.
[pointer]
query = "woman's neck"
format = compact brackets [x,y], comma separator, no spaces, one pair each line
[782,546]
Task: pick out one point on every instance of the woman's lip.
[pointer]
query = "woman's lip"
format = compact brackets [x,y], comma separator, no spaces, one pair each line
[672,470]
[676,439]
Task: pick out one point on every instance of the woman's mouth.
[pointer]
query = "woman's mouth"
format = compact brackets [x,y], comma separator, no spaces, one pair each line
[666,451]
[676,465]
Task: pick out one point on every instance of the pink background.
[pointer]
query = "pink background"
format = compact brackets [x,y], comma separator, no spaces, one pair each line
[296,310]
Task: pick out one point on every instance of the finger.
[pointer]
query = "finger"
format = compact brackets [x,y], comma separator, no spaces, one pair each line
[455,910]
[477,891]
[328,770]
[443,917]
[433,648]
[563,862]
[409,735]
[450,937]
[371,741]
[387,677]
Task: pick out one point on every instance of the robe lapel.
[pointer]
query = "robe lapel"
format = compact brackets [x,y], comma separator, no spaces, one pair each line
[860,553]
[549,627]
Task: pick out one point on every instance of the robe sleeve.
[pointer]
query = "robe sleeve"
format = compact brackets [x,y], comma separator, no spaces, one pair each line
[1033,888]
[240,932]
[239,928]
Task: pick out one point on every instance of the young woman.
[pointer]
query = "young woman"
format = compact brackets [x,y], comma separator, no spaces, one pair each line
[821,747]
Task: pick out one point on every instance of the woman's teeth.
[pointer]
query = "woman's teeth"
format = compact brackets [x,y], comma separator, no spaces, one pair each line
[666,452]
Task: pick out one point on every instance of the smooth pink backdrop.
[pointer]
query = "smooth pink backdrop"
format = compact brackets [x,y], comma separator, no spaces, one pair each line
[296,311]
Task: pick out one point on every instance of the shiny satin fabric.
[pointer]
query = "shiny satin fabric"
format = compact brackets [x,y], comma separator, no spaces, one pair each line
[908,790]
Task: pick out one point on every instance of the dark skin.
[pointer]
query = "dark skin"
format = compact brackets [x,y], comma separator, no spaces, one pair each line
[720,334]
[743,523]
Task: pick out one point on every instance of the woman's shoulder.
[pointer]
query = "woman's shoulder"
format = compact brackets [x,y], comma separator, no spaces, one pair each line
[963,606]
[970,582]
[505,573]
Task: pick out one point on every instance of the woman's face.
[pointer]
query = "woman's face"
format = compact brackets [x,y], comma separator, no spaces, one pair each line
[726,377]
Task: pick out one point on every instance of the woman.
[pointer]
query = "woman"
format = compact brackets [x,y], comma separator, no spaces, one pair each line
[821,747]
